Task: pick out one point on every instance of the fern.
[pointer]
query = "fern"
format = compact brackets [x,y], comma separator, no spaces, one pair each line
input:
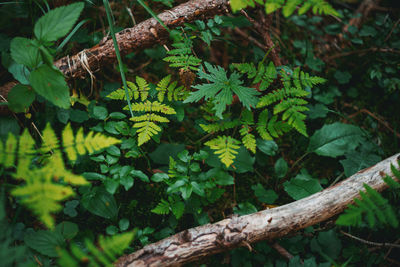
[181,57]
[373,205]
[140,89]
[42,191]
[270,128]
[220,126]
[166,87]
[221,88]
[261,74]
[288,6]
[107,252]
[146,123]
[290,97]
[248,139]
[173,205]
[226,147]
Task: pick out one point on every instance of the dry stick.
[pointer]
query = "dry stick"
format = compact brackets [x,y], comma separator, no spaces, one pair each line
[196,243]
[370,242]
[135,39]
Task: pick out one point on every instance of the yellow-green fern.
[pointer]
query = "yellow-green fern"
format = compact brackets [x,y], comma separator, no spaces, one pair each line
[225,147]
[46,185]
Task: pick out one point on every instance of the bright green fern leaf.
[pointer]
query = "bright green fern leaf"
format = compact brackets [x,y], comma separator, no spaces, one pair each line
[226,147]
[262,75]
[220,126]
[166,87]
[105,254]
[182,57]
[44,186]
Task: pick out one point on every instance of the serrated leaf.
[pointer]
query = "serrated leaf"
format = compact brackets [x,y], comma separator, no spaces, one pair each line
[50,84]
[57,22]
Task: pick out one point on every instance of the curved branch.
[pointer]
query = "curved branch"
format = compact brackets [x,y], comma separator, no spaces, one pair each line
[206,240]
[143,35]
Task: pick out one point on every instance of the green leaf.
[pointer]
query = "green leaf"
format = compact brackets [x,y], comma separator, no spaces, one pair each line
[101,203]
[67,229]
[334,140]
[45,242]
[178,208]
[245,208]
[123,224]
[221,177]
[356,161]
[126,182]
[164,151]
[100,113]
[327,243]
[57,22]
[268,147]
[50,84]
[342,77]
[220,88]
[159,177]
[25,52]
[265,196]
[111,185]
[281,167]
[20,98]
[139,174]
[303,185]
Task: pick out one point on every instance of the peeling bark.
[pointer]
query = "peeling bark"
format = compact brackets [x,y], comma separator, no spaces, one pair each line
[196,243]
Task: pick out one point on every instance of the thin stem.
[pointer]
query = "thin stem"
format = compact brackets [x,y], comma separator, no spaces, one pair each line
[109,18]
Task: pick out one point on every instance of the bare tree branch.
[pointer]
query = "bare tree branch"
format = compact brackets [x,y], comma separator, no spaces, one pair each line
[196,243]
[139,37]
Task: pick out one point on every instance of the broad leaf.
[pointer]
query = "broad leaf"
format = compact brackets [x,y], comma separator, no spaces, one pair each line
[51,84]
[24,51]
[335,139]
[303,185]
[20,97]
[57,22]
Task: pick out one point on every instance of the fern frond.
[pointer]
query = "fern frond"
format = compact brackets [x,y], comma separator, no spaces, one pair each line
[261,74]
[219,127]
[373,205]
[150,117]
[80,145]
[173,92]
[269,128]
[143,87]
[226,147]
[119,94]
[162,208]
[181,57]
[41,190]
[110,248]
[248,139]
[146,129]
[152,107]
[42,196]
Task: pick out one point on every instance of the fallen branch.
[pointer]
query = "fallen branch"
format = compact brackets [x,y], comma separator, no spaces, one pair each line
[199,242]
[141,36]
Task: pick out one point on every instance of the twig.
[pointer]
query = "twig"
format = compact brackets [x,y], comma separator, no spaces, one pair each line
[370,242]
[282,251]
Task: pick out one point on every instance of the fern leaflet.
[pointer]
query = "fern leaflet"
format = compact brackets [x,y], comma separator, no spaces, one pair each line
[376,208]
[41,191]
[226,147]
[107,252]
